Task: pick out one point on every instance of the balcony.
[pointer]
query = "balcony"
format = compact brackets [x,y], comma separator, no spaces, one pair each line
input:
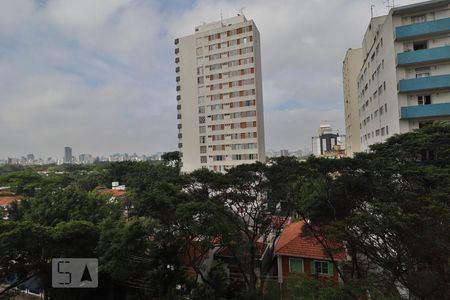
[425,111]
[432,55]
[440,82]
[422,29]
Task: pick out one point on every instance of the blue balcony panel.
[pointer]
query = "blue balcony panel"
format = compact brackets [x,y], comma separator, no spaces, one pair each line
[440,82]
[425,111]
[440,26]
[424,56]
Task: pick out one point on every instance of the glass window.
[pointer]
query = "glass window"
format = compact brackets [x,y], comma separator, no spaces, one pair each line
[295,265]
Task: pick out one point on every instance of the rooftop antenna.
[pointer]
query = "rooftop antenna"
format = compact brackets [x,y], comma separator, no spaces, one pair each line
[221,17]
[371,10]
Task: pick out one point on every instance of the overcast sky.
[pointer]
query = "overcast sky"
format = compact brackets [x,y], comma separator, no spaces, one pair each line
[99,75]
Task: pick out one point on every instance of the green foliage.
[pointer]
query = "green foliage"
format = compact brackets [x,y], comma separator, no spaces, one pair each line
[390,207]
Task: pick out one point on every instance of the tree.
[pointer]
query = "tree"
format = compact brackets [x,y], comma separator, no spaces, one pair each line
[391,207]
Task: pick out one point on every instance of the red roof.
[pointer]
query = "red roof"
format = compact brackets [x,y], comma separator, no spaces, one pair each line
[115,193]
[8,200]
[293,243]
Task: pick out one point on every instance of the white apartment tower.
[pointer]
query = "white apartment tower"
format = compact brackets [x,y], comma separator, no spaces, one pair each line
[350,70]
[219,95]
[404,81]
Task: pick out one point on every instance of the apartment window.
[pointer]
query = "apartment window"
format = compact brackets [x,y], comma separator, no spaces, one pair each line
[179,126]
[381,111]
[177,69]
[180,145]
[295,265]
[382,131]
[202,139]
[422,72]
[201,100]
[201,119]
[178,88]
[199,51]
[203,159]
[201,109]
[179,116]
[178,106]
[424,99]
[418,19]
[200,80]
[202,149]
[385,107]
[420,45]
[177,60]
[200,71]
[322,268]
[177,50]
[387,130]
[178,97]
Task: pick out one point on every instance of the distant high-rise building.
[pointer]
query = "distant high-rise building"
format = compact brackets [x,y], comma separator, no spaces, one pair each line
[328,143]
[68,155]
[284,152]
[404,81]
[30,157]
[219,95]
[350,70]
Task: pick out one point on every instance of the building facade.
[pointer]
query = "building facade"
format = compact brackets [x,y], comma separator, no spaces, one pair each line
[68,159]
[219,95]
[404,81]
[350,70]
[328,143]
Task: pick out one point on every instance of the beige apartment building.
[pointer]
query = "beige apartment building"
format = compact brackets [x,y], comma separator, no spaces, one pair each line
[404,80]
[219,95]
[350,70]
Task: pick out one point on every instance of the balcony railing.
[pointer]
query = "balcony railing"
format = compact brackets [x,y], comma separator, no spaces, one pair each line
[424,56]
[440,26]
[440,82]
[425,111]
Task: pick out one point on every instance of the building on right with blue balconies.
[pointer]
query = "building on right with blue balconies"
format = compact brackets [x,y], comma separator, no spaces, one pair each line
[404,81]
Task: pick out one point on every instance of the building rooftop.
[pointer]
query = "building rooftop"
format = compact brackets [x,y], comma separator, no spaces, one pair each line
[222,23]
[293,243]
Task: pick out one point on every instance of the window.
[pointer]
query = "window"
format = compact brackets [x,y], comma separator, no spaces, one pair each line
[201,100]
[424,99]
[199,51]
[322,268]
[201,109]
[203,159]
[420,45]
[418,19]
[295,265]
[200,80]
[202,139]
[422,72]
[202,129]
[201,119]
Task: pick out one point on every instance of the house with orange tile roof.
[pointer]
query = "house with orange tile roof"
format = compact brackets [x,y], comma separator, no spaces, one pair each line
[6,198]
[299,254]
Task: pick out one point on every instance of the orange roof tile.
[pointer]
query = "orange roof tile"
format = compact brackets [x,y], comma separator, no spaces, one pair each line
[8,200]
[293,243]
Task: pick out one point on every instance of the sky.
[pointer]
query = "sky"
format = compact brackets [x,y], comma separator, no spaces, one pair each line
[99,76]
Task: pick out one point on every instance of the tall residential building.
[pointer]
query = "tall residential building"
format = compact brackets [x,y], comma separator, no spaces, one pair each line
[351,66]
[404,82]
[68,155]
[219,95]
